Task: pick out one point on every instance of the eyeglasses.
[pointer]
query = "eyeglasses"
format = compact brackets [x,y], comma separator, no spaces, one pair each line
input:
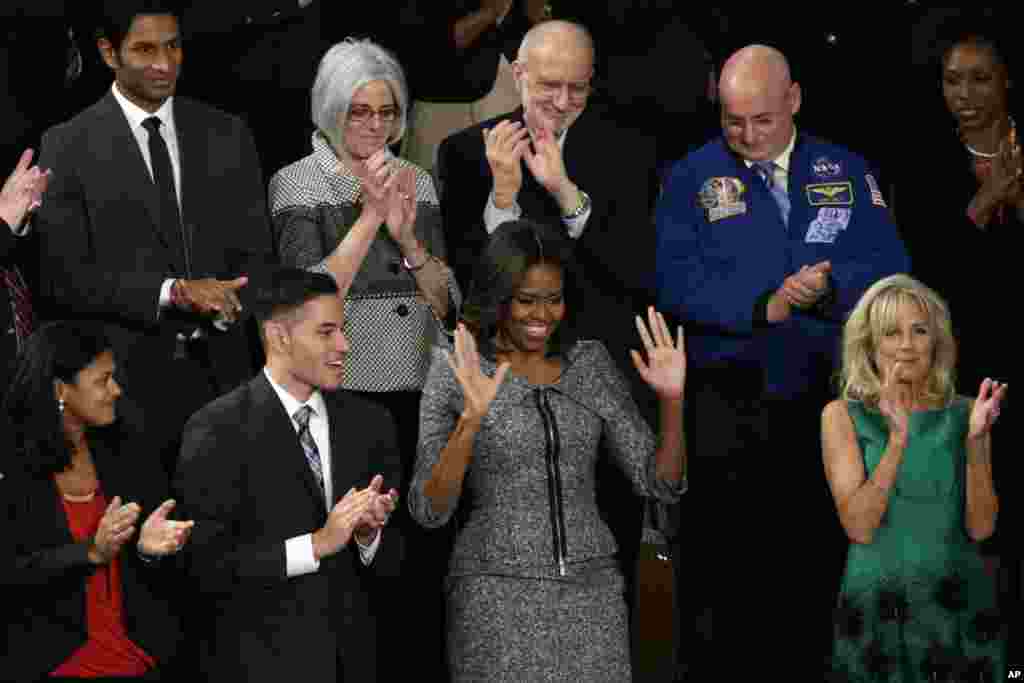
[360,114]
[578,91]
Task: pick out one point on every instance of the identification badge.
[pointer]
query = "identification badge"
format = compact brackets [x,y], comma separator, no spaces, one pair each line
[722,197]
[829,223]
[830,194]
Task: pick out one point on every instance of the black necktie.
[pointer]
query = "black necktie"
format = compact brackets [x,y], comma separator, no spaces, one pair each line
[163,178]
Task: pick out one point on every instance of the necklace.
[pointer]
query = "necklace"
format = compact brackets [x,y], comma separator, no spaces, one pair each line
[982,155]
[987,155]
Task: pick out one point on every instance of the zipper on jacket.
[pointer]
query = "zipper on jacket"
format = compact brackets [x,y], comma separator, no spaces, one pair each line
[553,448]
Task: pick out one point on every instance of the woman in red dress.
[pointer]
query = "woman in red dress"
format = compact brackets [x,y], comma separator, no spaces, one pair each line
[84,522]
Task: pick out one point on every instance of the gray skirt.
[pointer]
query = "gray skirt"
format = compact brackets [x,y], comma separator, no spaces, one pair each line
[516,629]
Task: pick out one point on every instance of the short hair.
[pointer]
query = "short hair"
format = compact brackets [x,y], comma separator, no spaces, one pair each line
[514,248]
[118,15]
[874,313]
[285,290]
[543,30]
[343,70]
[56,351]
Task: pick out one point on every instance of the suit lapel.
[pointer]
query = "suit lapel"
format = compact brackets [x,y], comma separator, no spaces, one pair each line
[282,439]
[342,474]
[190,149]
[136,181]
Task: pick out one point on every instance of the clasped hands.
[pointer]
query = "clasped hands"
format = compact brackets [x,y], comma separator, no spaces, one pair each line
[803,289]
[159,536]
[510,142]
[1002,187]
[389,197]
[209,297]
[22,192]
[360,513]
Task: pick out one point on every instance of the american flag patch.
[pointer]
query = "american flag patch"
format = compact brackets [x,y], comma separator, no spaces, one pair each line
[876,194]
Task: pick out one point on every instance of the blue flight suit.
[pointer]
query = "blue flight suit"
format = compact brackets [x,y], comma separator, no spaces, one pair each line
[713,268]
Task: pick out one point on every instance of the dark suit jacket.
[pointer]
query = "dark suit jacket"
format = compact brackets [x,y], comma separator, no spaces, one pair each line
[9,248]
[44,571]
[103,254]
[244,478]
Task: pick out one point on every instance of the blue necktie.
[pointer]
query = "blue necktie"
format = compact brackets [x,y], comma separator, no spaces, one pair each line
[766,170]
[301,418]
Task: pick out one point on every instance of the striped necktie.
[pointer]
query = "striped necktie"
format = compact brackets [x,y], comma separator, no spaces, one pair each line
[766,170]
[301,418]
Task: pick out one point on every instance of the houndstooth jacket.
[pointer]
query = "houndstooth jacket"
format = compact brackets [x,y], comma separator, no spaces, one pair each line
[388,322]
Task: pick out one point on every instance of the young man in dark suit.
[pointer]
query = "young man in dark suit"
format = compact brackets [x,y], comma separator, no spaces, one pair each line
[155,206]
[270,473]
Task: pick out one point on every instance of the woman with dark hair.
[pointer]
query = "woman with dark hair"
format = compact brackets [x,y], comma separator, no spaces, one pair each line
[510,435]
[83,528]
[959,197]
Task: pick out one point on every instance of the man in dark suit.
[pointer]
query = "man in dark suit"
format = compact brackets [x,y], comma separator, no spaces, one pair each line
[561,161]
[270,472]
[20,194]
[155,206]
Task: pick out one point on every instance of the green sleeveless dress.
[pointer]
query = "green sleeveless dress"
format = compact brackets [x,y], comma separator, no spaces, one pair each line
[916,603]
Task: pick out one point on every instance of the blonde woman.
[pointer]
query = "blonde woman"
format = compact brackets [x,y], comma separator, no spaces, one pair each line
[909,464]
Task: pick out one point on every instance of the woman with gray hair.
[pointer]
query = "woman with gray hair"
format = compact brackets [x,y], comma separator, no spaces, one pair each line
[909,464]
[373,222]
[328,210]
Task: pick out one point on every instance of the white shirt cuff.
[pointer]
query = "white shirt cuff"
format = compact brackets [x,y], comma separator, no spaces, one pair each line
[23,229]
[165,295]
[493,216]
[298,555]
[576,225]
[368,552]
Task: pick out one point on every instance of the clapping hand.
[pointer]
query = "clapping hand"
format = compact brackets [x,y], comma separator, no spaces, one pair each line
[665,368]
[377,512]
[23,190]
[986,408]
[161,536]
[547,166]
[806,286]
[116,526]
[505,145]
[894,403]
[478,390]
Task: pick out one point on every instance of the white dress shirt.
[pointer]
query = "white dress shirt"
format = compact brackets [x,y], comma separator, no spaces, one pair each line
[136,115]
[780,171]
[299,557]
[493,216]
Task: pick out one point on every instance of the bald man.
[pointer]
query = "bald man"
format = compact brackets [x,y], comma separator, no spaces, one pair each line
[767,237]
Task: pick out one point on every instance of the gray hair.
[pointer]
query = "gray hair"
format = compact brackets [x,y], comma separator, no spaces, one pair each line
[346,68]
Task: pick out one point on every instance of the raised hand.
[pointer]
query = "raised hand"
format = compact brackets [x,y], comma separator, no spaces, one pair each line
[546,164]
[401,215]
[116,526]
[1002,186]
[161,536]
[505,145]
[894,403]
[986,408]
[478,390]
[23,190]
[377,177]
[665,368]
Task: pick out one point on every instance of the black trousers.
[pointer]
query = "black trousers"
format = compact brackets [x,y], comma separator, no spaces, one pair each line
[760,555]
